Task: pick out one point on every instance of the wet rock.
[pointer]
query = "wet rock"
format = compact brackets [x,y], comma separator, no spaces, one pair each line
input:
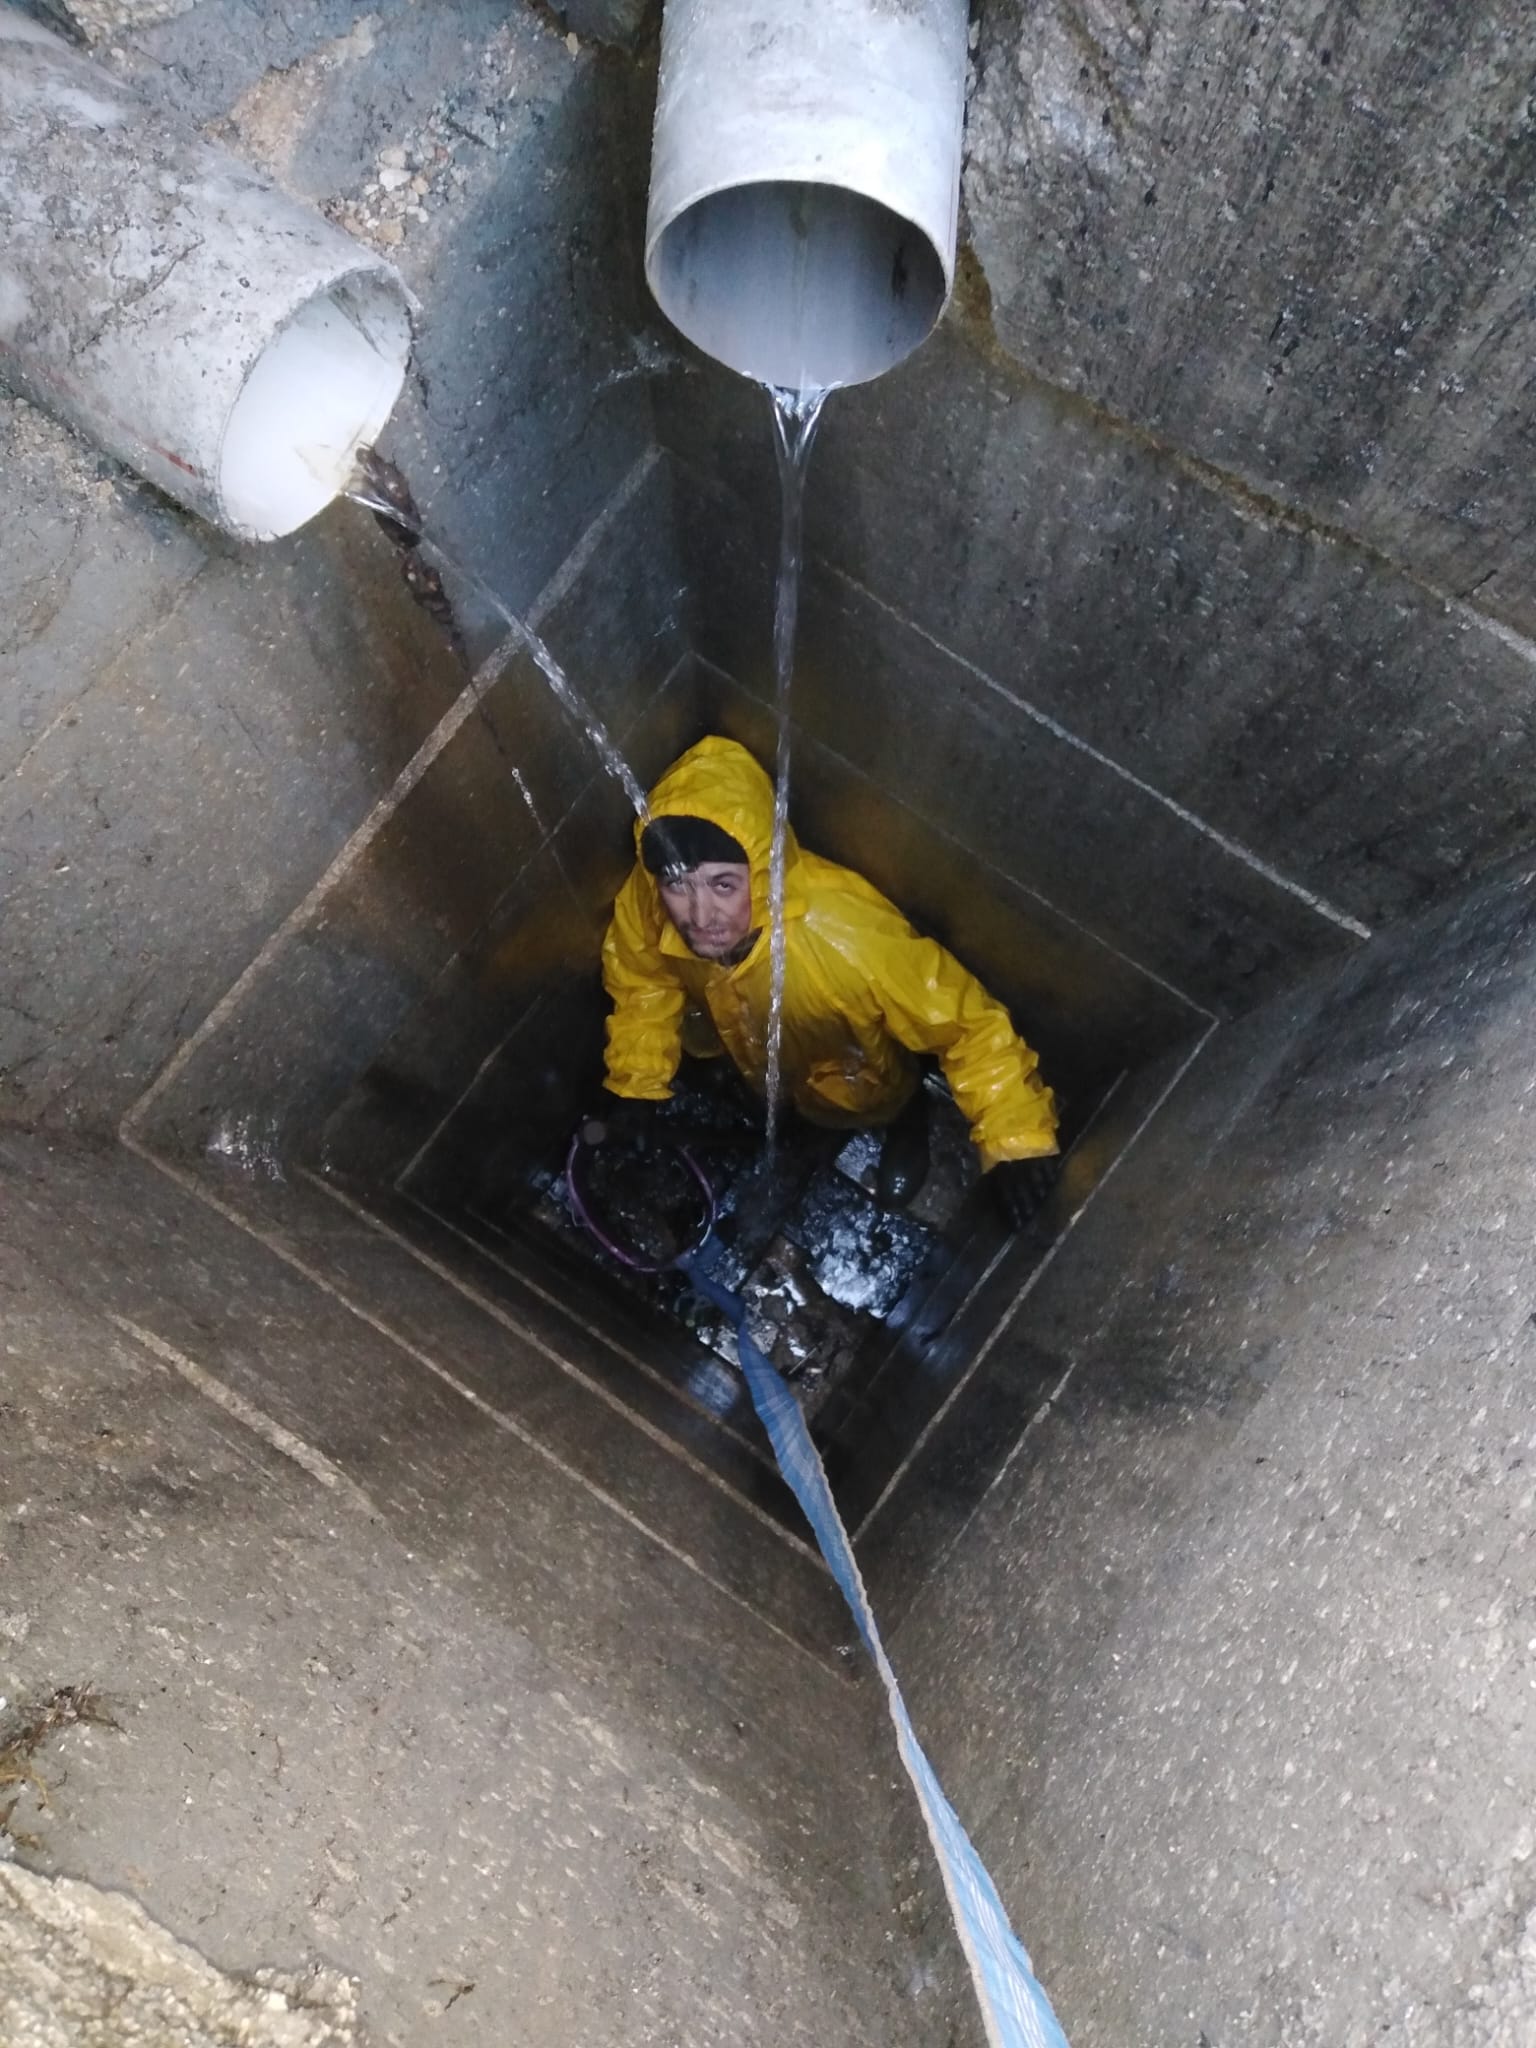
[475,122]
[90,1967]
[97,19]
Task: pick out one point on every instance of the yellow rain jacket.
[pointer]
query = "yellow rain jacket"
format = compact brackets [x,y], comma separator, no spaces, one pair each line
[863,992]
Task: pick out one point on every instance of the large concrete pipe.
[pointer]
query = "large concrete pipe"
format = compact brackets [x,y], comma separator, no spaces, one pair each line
[223,340]
[805,181]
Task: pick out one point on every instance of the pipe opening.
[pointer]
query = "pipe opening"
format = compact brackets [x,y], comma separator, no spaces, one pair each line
[324,387]
[800,285]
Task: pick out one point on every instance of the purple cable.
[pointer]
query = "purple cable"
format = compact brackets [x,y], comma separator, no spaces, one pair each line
[618,1251]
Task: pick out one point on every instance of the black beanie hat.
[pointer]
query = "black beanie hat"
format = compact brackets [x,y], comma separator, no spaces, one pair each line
[668,843]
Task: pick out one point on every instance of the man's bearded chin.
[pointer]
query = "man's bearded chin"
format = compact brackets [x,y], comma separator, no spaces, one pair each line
[731,957]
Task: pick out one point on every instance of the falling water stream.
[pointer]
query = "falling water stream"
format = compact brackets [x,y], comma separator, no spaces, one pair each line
[571,701]
[795,417]
[379,486]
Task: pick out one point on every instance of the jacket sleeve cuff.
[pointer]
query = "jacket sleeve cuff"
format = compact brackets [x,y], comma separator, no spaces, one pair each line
[1032,1145]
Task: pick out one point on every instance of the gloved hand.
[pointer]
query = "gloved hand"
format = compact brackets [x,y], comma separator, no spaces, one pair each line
[623,1117]
[1021,1187]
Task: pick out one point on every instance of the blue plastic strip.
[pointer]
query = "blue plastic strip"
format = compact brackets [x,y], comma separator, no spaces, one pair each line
[1016,2012]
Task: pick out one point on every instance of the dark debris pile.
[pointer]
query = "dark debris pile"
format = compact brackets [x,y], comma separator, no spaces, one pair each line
[817,1260]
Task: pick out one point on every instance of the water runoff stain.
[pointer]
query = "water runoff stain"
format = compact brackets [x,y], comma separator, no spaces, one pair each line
[379,486]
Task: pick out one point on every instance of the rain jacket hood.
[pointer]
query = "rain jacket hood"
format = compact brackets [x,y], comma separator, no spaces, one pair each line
[864,994]
[719,780]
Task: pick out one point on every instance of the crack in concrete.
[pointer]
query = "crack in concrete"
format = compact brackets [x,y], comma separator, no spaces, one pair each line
[134,296]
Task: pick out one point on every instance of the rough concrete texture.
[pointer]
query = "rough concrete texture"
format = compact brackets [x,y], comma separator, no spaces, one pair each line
[173,795]
[92,20]
[1272,718]
[1235,1663]
[1008,778]
[1176,618]
[497,167]
[1216,465]
[1287,238]
[84,1968]
[504,801]
[195,731]
[396,1693]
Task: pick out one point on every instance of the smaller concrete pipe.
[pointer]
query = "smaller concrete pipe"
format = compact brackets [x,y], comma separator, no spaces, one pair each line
[805,181]
[221,339]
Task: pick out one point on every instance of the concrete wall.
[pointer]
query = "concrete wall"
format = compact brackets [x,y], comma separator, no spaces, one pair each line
[1232,1669]
[438,1723]
[1183,570]
[394,1686]
[1118,651]
[1177,593]
[479,879]
[1286,237]
[191,733]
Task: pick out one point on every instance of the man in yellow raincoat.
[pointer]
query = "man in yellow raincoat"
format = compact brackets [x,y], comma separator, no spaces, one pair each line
[864,994]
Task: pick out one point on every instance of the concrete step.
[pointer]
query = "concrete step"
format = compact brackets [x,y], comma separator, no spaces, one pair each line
[657,1459]
[640,1358]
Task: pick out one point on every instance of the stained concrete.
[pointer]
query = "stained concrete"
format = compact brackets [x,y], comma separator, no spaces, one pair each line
[195,731]
[1287,238]
[1208,501]
[1233,1666]
[419,1704]
[494,1725]
[1299,740]
[491,790]
[1165,634]
[183,794]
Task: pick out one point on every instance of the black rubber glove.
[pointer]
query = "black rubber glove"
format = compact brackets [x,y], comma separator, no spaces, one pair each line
[1021,1187]
[623,1117]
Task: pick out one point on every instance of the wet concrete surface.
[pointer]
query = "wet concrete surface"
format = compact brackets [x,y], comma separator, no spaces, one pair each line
[1187,710]
[196,729]
[394,1691]
[1235,1655]
[993,729]
[481,802]
[1166,624]
[877,1318]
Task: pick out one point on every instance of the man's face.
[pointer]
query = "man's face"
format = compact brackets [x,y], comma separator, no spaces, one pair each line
[711,906]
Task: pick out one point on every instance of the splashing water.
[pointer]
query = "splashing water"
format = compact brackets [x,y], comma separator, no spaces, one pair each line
[795,418]
[378,485]
[565,692]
